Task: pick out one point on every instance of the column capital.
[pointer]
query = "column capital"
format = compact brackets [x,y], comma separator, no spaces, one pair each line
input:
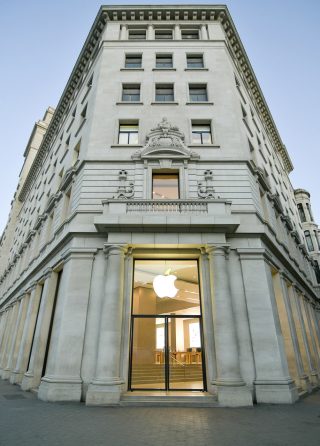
[251,253]
[46,274]
[218,250]
[114,249]
[32,286]
[78,253]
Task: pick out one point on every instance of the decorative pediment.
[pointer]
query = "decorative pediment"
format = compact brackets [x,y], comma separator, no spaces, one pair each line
[165,141]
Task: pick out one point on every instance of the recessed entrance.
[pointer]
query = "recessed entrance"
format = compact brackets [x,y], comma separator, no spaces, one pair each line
[166,349]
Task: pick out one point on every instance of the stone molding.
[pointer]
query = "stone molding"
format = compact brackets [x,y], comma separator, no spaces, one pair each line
[165,141]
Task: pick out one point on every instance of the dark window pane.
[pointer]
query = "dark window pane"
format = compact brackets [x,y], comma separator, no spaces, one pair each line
[198,94]
[133,61]
[164,61]
[195,61]
[164,93]
[137,34]
[131,93]
[190,34]
[163,34]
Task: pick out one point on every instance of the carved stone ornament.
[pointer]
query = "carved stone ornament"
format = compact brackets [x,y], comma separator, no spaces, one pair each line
[205,188]
[125,189]
[165,141]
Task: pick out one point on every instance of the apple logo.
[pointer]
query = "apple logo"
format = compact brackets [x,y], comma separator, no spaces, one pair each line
[164,286]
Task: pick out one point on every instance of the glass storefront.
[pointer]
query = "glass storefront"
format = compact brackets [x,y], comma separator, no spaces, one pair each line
[166,351]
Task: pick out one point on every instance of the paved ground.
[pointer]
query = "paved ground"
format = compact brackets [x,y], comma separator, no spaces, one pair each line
[26,421]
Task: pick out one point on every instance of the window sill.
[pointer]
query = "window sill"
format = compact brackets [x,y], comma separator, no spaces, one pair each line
[214,146]
[199,103]
[126,145]
[196,69]
[165,103]
[131,69]
[129,103]
[164,69]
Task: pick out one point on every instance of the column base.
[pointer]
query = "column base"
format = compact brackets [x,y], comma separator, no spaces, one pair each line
[233,394]
[305,383]
[104,393]
[5,374]
[314,378]
[276,391]
[60,389]
[27,381]
[16,377]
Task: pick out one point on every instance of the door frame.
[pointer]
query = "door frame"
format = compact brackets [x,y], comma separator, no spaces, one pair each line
[167,352]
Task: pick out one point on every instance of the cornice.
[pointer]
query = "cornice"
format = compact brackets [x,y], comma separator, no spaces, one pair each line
[159,12]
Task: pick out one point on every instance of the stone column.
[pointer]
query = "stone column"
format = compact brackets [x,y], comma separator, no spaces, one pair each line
[62,380]
[27,336]
[124,32]
[232,390]
[273,383]
[150,32]
[303,377]
[4,342]
[312,370]
[177,32]
[310,336]
[241,321]
[203,32]
[4,319]
[20,327]
[32,377]
[11,340]
[105,389]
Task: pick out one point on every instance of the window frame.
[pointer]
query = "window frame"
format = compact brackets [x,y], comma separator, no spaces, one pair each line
[129,86]
[309,241]
[195,123]
[163,174]
[163,85]
[132,56]
[192,31]
[194,86]
[194,55]
[128,123]
[163,56]
[137,31]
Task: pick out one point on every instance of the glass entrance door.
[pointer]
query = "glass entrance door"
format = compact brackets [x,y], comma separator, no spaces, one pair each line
[166,353]
[166,349]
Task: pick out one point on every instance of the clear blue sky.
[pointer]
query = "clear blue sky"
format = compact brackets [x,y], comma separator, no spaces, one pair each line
[41,39]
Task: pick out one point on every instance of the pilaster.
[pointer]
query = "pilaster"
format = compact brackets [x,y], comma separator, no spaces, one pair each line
[105,388]
[231,388]
[273,383]
[62,379]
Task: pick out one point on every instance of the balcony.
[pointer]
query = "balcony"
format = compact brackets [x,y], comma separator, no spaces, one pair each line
[212,215]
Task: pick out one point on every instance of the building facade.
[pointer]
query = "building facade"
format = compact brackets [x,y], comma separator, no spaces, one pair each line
[157,243]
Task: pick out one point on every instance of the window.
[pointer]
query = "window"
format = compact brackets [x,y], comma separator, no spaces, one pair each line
[309,240]
[302,215]
[195,61]
[84,112]
[164,93]
[131,93]
[128,133]
[198,93]
[164,61]
[163,34]
[76,152]
[137,34]
[317,238]
[165,186]
[133,61]
[190,34]
[201,133]
[317,271]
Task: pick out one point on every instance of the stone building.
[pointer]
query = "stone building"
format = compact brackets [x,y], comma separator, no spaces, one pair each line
[156,244]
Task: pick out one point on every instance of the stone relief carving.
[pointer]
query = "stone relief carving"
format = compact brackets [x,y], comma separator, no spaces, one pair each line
[163,141]
[205,188]
[125,189]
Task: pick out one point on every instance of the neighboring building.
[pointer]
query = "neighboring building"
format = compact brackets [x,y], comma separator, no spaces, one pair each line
[157,243]
[310,229]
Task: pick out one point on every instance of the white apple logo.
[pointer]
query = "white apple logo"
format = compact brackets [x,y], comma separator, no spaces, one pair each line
[164,286]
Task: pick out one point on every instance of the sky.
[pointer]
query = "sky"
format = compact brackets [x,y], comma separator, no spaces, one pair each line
[40,41]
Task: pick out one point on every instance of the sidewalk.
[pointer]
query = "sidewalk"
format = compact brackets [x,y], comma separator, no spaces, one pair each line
[26,421]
